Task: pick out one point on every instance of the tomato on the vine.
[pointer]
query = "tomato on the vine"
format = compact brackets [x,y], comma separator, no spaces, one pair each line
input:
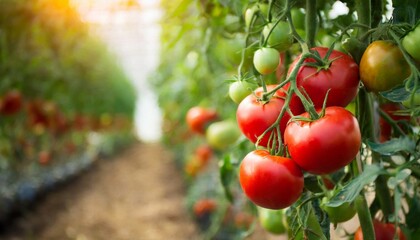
[255,116]
[280,37]
[240,89]
[324,145]
[340,78]
[341,213]
[198,118]
[266,60]
[383,231]
[220,135]
[411,43]
[383,66]
[273,221]
[269,181]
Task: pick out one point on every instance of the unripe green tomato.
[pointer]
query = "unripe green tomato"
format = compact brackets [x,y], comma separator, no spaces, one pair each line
[220,135]
[341,213]
[416,101]
[411,43]
[266,60]
[264,9]
[280,37]
[298,18]
[272,221]
[239,90]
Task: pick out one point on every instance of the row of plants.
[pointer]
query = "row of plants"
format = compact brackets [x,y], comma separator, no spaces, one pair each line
[294,116]
[63,99]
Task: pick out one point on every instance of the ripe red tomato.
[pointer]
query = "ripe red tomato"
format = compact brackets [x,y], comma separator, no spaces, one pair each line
[383,231]
[254,116]
[269,181]
[203,153]
[11,103]
[383,66]
[341,78]
[384,126]
[325,145]
[198,118]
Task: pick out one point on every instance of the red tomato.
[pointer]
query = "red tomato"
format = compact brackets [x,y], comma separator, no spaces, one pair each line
[204,206]
[383,231]
[11,103]
[341,78]
[384,126]
[325,145]
[269,181]
[204,153]
[255,116]
[198,118]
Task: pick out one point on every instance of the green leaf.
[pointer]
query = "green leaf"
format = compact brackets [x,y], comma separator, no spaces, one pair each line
[393,146]
[397,94]
[414,213]
[350,191]
[226,174]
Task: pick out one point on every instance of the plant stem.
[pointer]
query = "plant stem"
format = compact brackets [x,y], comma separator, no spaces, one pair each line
[383,195]
[365,218]
[311,22]
[363,8]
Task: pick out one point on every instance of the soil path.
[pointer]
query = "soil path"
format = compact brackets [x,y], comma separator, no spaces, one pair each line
[138,195]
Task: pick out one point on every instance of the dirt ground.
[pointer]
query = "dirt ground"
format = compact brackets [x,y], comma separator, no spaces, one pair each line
[138,195]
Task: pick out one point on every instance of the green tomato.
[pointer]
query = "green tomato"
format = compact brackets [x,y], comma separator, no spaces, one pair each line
[411,43]
[220,135]
[298,18]
[341,213]
[280,37]
[266,60]
[416,101]
[273,221]
[239,90]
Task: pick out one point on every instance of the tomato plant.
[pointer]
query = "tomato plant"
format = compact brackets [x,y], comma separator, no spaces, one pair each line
[391,110]
[339,77]
[198,118]
[325,145]
[383,66]
[278,35]
[341,213]
[260,173]
[383,231]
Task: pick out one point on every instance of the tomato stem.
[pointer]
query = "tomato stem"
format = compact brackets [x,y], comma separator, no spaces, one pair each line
[363,9]
[311,22]
[364,217]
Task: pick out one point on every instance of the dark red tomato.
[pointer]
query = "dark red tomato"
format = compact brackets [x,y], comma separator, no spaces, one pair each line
[12,103]
[198,118]
[341,77]
[383,66]
[255,116]
[325,145]
[269,181]
[385,128]
[383,231]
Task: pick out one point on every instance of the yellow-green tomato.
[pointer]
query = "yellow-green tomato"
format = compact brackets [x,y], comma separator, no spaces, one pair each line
[279,36]
[416,101]
[240,89]
[341,213]
[273,221]
[266,60]
[411,43]
[220,135]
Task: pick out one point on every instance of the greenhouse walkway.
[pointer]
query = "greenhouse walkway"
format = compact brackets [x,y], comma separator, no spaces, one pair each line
[135,195]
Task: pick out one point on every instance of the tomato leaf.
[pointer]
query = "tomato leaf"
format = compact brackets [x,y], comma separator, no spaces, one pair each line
[393,146]
[397,94]
[350,191]
[414,213]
